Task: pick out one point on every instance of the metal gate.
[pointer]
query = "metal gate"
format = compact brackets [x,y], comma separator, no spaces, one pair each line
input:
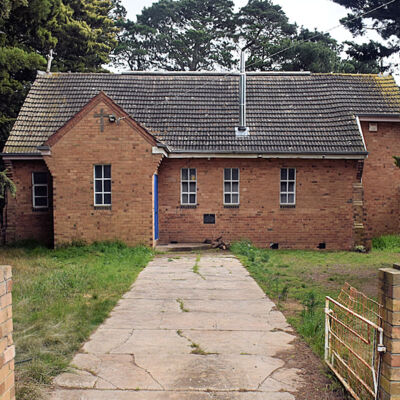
[354,341]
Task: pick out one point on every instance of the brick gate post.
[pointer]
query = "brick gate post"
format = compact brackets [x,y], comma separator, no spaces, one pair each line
[389,297]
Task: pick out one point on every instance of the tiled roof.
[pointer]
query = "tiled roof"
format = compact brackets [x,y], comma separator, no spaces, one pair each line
[288,113]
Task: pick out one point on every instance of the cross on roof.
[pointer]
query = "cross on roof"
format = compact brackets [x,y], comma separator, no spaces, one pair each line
[101,116]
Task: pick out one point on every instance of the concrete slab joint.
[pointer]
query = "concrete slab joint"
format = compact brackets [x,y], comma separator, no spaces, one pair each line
[187,335]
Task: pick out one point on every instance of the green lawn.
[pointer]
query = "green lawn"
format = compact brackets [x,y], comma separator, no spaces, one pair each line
[59,297]
[299,280]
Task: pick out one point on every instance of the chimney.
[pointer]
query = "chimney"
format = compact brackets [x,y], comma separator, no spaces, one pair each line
[242,129]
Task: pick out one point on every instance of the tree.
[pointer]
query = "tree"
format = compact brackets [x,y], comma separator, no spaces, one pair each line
[263,28]
[366,57]
[179,35]
[194,35]
[275,44]
[383,20]
[82,33]
[310,51]
[7,186]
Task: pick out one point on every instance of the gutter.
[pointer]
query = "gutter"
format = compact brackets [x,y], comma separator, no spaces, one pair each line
[21,156]
[230,154]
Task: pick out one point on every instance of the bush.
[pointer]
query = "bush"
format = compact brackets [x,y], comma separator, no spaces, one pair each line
[387,242]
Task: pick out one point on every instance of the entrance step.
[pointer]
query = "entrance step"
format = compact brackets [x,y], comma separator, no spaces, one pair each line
[172,247]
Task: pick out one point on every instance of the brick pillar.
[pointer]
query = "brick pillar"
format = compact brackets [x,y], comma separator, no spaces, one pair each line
[389,297]
[7,349]
[359,234]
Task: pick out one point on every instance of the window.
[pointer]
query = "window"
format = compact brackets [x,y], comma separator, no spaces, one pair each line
[288,186]
[102,185]
[188,186]
[231,186]
[40,190]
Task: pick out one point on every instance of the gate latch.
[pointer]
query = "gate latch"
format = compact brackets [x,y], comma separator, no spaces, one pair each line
[381,349]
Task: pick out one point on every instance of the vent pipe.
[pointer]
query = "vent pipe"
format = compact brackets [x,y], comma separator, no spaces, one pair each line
[242,129]
[49,61]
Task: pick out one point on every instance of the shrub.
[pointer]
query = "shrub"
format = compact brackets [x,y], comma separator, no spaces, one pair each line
[386,242]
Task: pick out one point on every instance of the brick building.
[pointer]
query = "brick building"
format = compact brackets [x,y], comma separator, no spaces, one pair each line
[170,157]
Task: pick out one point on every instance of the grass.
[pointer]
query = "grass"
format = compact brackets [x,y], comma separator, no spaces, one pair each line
[182,305]
[196,267]
[59,297]
[196,348]
[299,280]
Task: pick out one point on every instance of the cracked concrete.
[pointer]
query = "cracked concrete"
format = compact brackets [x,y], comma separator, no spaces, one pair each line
[143,351]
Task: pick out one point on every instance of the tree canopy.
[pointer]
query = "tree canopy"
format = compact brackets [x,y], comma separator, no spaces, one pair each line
[81,32]
[380,18]
[206,34]
[179,35]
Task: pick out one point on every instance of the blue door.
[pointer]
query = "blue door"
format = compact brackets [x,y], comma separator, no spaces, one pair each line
[155,206]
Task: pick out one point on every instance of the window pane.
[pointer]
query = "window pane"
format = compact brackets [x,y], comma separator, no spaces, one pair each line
[227,186]
[227,199]
[98,171]
[99,199]
[291,173]
[235,174]
[39,177]
[192,174]
[185,187]
[227,174]
[283,174]
[291,198]
[283,187]
[283,198]
[185,199]
[235,198]
[192,187]
[184,174]
[107,199]
[192,199]
[107,171]
[41,201]
[291,187]
[107,185]
[235,187]
[41,191]
[99,186]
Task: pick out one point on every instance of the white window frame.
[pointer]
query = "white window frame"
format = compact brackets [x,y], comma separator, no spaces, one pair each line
[35,185]
[102,179]
[231,181]
[287,192]
[188,192]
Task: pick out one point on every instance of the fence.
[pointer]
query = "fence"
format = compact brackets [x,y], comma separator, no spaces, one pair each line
[354,341]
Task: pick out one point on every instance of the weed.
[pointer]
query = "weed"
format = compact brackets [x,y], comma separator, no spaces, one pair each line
[196,349]
[196,267]
[387,242]
[182,305]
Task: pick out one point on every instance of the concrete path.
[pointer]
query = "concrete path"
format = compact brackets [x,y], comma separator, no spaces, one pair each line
[182,335]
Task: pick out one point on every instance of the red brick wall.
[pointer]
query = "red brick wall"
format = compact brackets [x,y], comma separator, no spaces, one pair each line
[132,167]
[7,348]
[22,221]
[381,179]
[323,213]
